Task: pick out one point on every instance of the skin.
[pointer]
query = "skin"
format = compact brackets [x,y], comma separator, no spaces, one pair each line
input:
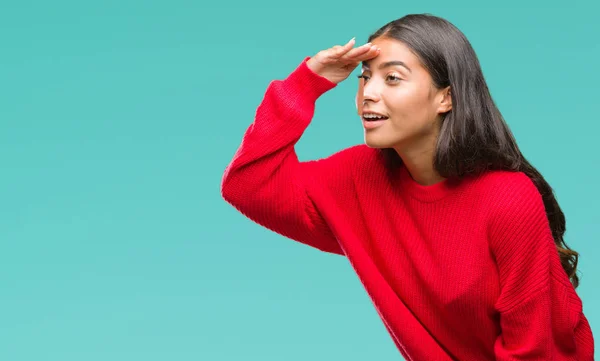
[408,97]
[415,107]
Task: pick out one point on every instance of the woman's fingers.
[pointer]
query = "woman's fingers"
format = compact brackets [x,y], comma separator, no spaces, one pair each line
[337,62]
[337,51]
[358,51]
[361,53]
[348,54]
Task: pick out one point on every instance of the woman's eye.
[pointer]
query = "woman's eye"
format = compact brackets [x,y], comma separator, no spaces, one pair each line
[393,78]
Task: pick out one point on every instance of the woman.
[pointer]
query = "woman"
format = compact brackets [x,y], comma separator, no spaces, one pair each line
[457,239]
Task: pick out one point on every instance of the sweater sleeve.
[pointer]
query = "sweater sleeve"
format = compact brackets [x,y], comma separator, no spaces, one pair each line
[265,181]
[541,316]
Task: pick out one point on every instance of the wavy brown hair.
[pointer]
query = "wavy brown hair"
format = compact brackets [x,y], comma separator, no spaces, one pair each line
[474,137]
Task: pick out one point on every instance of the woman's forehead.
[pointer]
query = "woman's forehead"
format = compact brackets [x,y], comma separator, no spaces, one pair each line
[392,52]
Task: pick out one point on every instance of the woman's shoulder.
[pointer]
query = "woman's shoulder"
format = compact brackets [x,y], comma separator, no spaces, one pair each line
[341,169]
[504,183]
[510,191]
[351,157]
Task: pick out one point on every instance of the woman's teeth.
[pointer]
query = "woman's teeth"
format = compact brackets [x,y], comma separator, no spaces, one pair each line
[370,117]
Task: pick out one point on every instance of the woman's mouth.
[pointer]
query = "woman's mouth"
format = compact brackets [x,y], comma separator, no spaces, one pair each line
[372,120]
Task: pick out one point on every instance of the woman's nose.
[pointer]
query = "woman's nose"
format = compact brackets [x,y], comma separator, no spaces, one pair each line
[371,92]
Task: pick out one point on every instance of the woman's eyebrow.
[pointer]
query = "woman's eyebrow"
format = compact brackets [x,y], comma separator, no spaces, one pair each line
[365,65]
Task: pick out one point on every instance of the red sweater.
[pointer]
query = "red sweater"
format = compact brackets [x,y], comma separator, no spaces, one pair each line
[464,270]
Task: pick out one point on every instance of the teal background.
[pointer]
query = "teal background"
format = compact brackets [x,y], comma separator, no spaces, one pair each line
[118,118]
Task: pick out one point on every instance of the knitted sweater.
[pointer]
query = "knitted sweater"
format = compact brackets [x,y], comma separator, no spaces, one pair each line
[458,270]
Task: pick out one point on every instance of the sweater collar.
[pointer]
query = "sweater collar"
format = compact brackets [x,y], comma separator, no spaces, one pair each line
[426,193]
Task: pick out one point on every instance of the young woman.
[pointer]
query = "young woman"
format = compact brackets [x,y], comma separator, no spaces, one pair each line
[457,239]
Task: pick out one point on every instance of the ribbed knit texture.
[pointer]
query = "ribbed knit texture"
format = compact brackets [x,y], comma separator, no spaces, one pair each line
[464,270]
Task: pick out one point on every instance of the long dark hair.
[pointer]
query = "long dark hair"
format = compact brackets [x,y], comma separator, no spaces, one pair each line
[474,137]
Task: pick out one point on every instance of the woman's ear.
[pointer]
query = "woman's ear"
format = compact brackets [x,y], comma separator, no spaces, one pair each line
[446,102]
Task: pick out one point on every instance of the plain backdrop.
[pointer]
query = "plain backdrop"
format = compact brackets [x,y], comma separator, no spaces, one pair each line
[118,118]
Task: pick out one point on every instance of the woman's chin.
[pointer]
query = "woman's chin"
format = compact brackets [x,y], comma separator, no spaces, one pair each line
[376,142]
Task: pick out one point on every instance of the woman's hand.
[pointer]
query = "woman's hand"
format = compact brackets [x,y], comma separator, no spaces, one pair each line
[338,62]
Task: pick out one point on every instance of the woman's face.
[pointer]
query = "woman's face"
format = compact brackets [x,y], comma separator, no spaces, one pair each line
[399,88]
